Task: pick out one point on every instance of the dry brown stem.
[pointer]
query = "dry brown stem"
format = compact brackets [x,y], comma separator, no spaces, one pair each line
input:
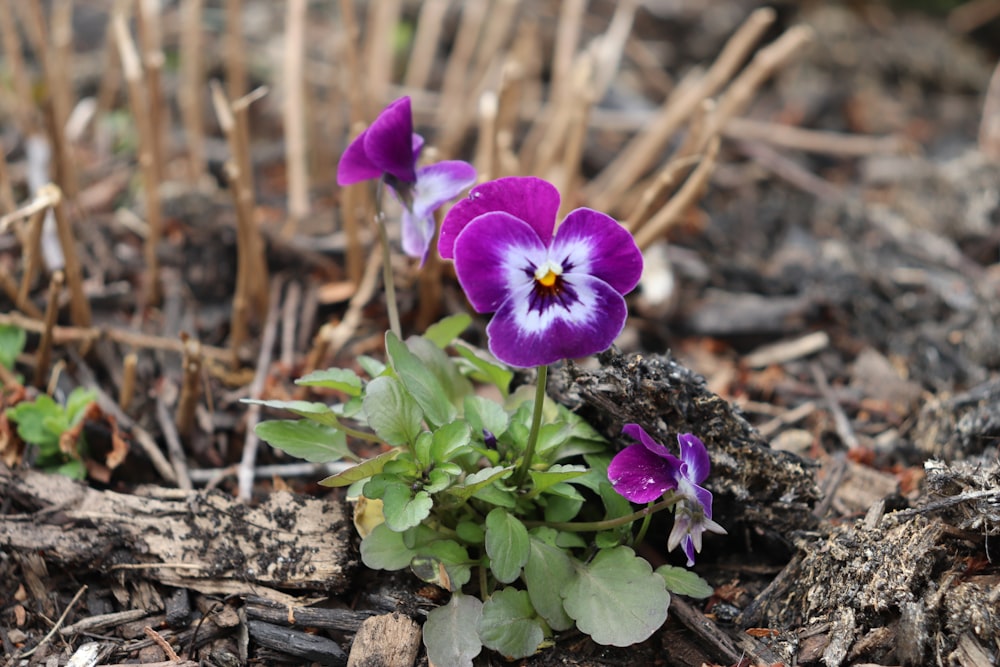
[815,141]
[250,298]
[245,474]
[190,386]
[31,253]
[129,365]
[425,43]
[486,142]
[190,95]
[43,357]
[237,84]
[90,335]
[989,126]
[9,286]
[79,306]
[294,109]
[148,22]
[383,15]
[605,191]
[24,99]
[139,103]
[356,90]
[689,193]
[452,114]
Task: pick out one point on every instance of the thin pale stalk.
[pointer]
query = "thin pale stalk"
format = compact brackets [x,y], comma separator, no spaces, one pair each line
[390,286]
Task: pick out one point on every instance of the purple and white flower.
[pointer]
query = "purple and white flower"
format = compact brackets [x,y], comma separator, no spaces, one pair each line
[554,296]
[389,149]
[644,471]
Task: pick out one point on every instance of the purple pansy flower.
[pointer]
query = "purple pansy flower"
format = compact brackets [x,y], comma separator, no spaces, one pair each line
[644,471]
[555,297]
[389,149]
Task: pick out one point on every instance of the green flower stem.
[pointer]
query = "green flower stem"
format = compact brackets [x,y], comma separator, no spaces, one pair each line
[390,287]
[641,535]
[595,526]
[536,424]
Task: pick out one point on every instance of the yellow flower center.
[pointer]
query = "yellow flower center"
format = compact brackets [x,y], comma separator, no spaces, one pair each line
[547,274]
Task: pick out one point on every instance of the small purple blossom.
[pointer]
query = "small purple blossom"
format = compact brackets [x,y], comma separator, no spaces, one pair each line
[644,471]
[554,296]
[389,149]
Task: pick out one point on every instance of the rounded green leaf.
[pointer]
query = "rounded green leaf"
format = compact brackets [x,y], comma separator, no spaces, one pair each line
[506,545]
[383,549]
[547,573]
[617,599]
[451,632]
[402,508]
[509,624]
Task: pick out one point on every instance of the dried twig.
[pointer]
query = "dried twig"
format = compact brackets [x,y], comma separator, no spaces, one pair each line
[425,43]
[190,385]
[294,109]
[139,103]
[90,335]
[57,624]
[692,189]
[24,104]
[245,475]
[192,81]
[178,459]
[129,365]
[989,125]
[383,16]
[43,357]
[79,306]
[815,141]
[150,40]
[621,173]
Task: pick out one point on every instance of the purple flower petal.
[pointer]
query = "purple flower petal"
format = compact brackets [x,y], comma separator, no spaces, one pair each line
[435,185]
[354,165]
[640,475]
[595,243]
[695,456]
[495,255]
[636,432]
[389,142]
[530,199]
[583,320]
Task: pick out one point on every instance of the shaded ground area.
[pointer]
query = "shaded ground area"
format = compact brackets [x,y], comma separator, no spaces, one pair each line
[823,314]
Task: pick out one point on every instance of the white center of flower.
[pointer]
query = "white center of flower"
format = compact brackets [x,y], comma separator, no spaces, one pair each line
[547,273]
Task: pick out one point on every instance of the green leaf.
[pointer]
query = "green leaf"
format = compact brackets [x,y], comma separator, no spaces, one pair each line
[444,368]
[12,340]
[617,599]
[542,480]
[484,414]
[559,508]
[443,332]
[305,440]
[384,549]
[506,545]
[685,582]
[437,480]
[392,412]
[509,624]
[404,509]
[450,439]
[363,470]
[422,449]
[340,379]
[77,403]
[451,632]
[471,532]
[547,574]
[317,412]
[489,371]
[479,480]
[448,554]
[33,419]
[371,365]
[421,383]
